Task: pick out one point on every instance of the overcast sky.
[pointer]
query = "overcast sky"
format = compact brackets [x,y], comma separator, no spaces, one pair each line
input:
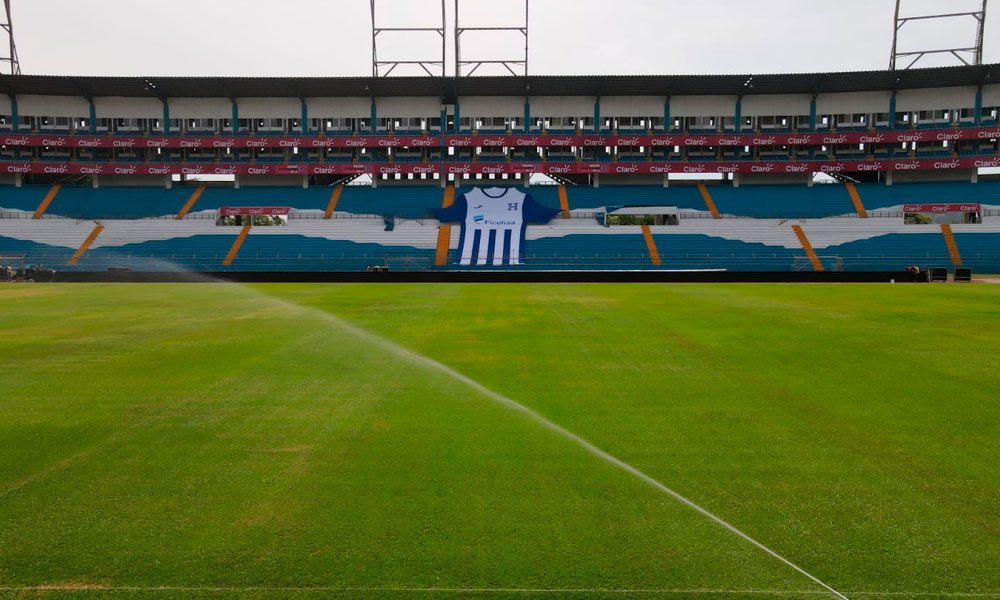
[333,37]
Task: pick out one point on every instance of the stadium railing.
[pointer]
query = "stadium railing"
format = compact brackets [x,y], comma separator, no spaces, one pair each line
[345,216]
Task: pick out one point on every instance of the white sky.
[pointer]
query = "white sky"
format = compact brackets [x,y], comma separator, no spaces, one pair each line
[333,37]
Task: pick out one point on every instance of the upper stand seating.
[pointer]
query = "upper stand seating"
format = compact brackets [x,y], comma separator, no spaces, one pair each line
[398,226]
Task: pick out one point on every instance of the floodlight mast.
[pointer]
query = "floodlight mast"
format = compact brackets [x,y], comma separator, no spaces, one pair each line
[7,26]
[972,55]
[383,68]
[516,66]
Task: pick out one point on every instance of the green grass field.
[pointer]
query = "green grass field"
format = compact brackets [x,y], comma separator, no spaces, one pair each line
[218,440]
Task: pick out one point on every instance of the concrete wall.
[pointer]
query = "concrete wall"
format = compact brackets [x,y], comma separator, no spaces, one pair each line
[53,106]
[703,106]
[112,107]
[991,95]
[270,180]
[930,176]
[771,105]
[200,108]
[347,108]
[644,179]
[132,181]
[269,108]
[493,106]
[936,99]
[513,106]
[632,106]
[775,179]
[404,107]
[561,106]
[853,103]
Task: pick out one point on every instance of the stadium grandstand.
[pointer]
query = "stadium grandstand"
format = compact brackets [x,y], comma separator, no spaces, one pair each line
[800,172]
[458,330]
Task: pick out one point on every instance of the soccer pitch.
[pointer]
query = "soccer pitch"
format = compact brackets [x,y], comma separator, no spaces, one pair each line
[500,441]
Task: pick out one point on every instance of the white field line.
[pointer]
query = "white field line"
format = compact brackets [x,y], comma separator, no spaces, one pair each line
[499,398]
[484,591]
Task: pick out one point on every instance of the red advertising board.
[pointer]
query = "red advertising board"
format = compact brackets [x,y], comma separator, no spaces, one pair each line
[496,168]
[487,141]
[270,211]
[942,208]
[215,142]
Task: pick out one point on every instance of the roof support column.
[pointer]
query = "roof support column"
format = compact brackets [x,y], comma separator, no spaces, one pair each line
[812,113]
[667,126]
[527,115]
[597,115]
[166,115]
[93,116]
[374,117]
[892,111]
[457,125]
[236,116]
[305,117]
[739,114]
[14,119]
[979,107]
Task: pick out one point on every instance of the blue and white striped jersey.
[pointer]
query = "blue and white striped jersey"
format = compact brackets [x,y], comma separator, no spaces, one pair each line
[493,224]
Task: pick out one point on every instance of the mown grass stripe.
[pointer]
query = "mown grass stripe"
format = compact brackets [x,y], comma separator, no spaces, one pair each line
[431,364]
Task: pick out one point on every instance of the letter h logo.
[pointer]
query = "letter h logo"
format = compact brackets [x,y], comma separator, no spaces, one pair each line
[512,206]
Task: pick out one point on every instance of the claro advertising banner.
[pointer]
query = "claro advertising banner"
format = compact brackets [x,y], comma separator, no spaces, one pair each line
[942,208]
[498,168]
[498,141]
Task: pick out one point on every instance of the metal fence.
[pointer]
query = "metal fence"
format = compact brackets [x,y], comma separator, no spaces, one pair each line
[315,214]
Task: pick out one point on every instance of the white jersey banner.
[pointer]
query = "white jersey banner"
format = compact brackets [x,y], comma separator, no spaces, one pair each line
[493,221]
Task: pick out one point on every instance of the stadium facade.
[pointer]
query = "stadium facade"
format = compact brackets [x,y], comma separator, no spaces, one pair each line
[643,172]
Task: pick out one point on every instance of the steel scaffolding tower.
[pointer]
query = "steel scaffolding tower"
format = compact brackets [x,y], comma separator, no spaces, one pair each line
[382,68]
[516,66]
[8,27]
[963,54]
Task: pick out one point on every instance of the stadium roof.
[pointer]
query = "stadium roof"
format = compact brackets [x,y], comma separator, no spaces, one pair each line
[448,88]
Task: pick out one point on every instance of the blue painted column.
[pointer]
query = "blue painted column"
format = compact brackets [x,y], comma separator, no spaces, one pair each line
[236,117]
[305,118]
[93,116]
[892,111]
[739,114]
[374,117]
[979,106]
[812,114]
[667,125]
[15,120]
[444,121]
[527,116]
[597,116]
[166,115]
